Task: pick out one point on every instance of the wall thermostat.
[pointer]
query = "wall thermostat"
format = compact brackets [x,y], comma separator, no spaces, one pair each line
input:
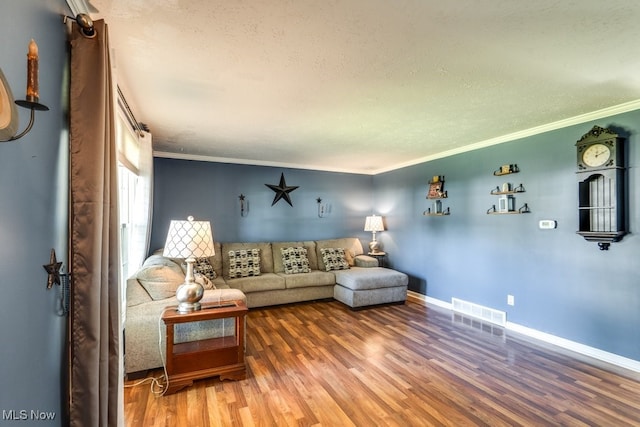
[547,224]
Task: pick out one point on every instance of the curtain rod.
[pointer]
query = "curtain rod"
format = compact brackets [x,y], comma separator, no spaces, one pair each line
[140,127]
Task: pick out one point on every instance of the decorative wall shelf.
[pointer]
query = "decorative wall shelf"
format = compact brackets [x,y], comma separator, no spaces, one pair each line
[437,192]
[507,201]
[523,210]
[429,213]
[498,191]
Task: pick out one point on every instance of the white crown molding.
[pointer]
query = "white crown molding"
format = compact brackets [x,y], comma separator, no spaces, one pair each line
[201,158]
[78,6]
[594,115]
[585,350]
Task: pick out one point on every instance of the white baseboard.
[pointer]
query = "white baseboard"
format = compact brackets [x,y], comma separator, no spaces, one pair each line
[585,350]
[605,356]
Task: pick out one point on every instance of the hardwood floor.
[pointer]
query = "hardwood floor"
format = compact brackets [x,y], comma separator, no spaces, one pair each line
[321,364]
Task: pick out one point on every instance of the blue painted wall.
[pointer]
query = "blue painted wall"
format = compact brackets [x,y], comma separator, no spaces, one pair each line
[210,191]
[562,284]
[33,195]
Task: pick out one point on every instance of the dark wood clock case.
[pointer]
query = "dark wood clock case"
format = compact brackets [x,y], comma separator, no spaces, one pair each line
[601,190]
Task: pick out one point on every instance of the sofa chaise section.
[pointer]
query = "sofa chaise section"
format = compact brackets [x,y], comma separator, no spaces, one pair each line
[360,287]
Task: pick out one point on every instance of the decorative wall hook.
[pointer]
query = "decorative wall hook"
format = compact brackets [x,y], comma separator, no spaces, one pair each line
[53,270]
[60,279]
[243,205]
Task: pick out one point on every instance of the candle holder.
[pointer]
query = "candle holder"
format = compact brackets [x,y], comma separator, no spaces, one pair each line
[33,106]
[243,205]
[30,102]
[320,208]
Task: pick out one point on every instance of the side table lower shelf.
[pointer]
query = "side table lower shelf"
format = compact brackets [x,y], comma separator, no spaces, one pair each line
[193,360]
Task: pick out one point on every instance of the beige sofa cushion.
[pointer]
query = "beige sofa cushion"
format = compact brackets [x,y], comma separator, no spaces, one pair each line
[136,294]
[216,260]
[359,278]
[264,282]
[160,281]
[306,280]
[366,261]
[158,259]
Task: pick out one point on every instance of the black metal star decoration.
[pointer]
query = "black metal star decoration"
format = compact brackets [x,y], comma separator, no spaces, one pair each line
[53,269]
[282,191]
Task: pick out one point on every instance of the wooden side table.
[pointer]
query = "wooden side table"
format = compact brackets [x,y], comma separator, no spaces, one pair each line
[223,356]
[380,256]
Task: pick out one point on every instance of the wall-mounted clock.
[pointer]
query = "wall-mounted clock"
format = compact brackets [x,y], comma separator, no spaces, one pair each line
[601,192]
[599,148]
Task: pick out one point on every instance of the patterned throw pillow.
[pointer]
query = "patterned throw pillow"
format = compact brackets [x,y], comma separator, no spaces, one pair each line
[244,263]
[204,267]
[334,259]
[294,260]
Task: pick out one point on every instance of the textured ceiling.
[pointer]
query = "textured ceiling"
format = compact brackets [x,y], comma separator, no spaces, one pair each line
[365,85]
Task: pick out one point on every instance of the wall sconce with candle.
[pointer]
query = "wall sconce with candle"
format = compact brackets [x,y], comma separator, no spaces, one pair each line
[243,205]
[8,112]
[320,208]
[323,209]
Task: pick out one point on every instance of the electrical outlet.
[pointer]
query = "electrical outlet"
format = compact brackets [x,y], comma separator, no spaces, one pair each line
[511,300]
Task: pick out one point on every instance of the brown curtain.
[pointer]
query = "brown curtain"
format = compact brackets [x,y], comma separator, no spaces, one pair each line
[95,332]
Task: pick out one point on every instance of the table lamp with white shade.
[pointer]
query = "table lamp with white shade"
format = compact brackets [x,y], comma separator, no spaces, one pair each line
[373,224]
[189,240]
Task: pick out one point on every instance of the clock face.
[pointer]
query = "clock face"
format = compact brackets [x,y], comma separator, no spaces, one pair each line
[596,155]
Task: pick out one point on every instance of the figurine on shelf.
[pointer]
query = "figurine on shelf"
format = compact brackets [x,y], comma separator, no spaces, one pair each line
[506,169]
[436,188]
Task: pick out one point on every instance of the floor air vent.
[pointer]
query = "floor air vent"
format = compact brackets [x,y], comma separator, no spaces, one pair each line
[475,310]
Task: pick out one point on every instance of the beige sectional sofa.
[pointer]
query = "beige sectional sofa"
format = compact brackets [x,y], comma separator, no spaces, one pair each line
[262,274]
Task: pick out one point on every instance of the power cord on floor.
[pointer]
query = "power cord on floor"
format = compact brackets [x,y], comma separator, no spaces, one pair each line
[157,387]
[163,356]
[159,384]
